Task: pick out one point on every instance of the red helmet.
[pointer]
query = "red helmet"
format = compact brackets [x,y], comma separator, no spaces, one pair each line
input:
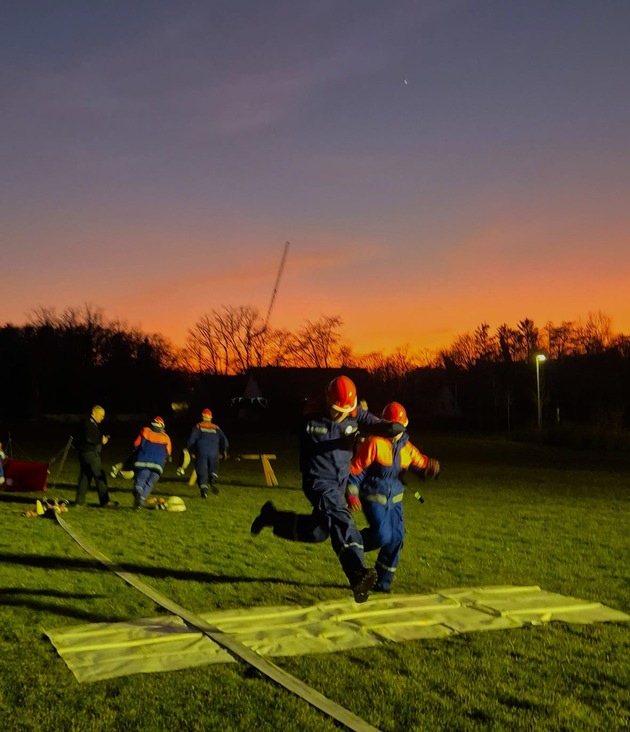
[158,422]
[206,415]
[341,395]
[395,412]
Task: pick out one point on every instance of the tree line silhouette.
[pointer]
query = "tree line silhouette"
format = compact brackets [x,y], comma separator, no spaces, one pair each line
[62,363]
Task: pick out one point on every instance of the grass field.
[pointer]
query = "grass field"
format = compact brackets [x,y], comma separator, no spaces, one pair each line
[501,513]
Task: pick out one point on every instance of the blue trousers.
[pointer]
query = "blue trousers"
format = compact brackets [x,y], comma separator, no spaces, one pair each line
[330,518]
[144,480]
[207,469]
[386,531]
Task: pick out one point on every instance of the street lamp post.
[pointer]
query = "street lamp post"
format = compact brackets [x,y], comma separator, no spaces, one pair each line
[539,359]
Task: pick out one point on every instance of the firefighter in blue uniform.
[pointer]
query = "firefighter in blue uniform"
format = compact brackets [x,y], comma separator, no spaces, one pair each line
[327,442]
[152,449]
[207,442]
[376,486]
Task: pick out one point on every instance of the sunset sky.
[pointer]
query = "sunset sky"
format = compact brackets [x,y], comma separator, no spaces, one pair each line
[434,163]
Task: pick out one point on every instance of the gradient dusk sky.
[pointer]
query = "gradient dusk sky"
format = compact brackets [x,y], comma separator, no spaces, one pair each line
[434,163]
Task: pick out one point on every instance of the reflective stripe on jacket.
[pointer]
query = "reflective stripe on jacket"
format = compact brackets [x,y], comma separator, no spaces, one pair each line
[377,465]
[153,447]
[207,438]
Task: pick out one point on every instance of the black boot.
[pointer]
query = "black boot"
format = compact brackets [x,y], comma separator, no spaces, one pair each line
[266,517]
[363,583]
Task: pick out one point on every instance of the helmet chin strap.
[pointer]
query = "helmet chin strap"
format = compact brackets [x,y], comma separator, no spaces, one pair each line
[340,413]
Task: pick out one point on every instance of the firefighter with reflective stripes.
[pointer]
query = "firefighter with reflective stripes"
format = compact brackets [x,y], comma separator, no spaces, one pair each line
[376,486]
[207,442]
[152,449]
[327,442]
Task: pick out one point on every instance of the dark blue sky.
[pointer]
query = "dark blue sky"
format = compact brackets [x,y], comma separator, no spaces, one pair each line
[471,157]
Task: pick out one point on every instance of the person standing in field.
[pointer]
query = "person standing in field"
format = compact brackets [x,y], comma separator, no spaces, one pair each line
[375,485]
[327,440]
[152,449]
[89,443]
[207,442]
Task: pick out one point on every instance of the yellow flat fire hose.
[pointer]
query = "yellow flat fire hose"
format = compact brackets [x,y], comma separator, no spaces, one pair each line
[238,650]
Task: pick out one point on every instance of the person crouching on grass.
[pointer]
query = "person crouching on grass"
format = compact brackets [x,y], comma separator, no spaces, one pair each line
[327,442]
[152,449]
[375,485]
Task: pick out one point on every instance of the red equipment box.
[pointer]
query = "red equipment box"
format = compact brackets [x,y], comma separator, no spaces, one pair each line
[24,477]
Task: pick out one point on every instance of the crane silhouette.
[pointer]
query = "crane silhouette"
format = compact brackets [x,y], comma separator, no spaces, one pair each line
[275,287]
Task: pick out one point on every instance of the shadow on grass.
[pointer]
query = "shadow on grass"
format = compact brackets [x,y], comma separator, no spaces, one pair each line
[250,484]
[127,486]
[20,597]
[92,565]
[20,497]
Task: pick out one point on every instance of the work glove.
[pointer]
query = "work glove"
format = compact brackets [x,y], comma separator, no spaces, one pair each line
[180,471]
[225,455]
[432,469]
[354,504]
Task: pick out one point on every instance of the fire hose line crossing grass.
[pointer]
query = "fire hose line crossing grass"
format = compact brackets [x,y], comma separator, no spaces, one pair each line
[500,514]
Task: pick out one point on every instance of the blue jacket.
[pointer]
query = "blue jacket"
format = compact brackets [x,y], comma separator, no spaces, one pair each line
[152,448]
[326,446]
[377,466]
[207,439]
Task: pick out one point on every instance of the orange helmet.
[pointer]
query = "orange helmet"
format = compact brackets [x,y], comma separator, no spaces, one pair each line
[395,412]
[341,395]
[158,422]
[206,415]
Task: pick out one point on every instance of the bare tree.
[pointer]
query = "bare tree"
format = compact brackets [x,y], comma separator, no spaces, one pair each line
[486,345]
[528,339]
[400,362]
[228,341]
[242,332]
[428,358]
[507,338]
[319,342]
[280,346]
[462,353]
[561,339]
[203,350]
[389,367]
[595,335]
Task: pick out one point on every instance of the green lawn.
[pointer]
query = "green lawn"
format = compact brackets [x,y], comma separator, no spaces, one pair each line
[501,513]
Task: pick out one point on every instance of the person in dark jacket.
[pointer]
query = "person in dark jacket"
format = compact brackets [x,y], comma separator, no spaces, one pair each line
[152,449]
[327,442]
[89,443]
[376,487]
[207,442]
